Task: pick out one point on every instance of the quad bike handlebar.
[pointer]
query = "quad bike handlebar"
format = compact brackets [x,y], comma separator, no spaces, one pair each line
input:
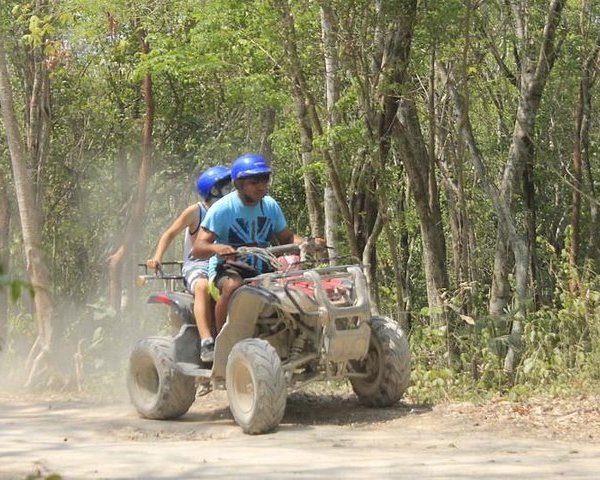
[270,254]
[267,254]
[159,273]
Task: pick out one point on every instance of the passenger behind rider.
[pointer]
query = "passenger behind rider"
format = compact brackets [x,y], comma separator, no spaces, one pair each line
[246,216]
[211,185]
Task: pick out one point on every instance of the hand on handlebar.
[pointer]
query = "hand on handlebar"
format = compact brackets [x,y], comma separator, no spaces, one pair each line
[153,263]
[314,245]
[223,250]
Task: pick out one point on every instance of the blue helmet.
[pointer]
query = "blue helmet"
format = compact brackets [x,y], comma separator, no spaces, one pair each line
[249,165]
[210,178]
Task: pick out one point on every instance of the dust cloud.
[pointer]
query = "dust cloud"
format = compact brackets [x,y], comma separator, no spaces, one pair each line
[90,343]
[89,354]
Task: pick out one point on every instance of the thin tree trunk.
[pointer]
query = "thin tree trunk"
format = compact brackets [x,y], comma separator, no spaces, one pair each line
[268,122]
[4,257]
[331,223]
[534,75]
[31,225]
[531,225]
[379,92]
[369,258]
[329,35]
[582,151]
[38,118]
[535,70]
[136,215]
[399,265]
[459,228]
[451,161]
[417,163]
[506,221]
[300,88]
[315,216]
[576,193]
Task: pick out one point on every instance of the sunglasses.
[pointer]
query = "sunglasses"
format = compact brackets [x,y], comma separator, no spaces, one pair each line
[258,179]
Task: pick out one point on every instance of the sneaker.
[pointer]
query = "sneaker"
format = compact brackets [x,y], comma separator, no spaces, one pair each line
[207,351]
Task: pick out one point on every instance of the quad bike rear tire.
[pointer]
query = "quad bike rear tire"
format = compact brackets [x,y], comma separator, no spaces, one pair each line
[256,386]
[387,366]
[156,389]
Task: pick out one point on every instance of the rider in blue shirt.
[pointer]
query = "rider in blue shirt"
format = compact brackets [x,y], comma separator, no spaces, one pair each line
[246,216]
[237,224]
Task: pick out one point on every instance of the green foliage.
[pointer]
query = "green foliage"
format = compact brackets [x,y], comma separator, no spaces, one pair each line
[15,286]
[560,348]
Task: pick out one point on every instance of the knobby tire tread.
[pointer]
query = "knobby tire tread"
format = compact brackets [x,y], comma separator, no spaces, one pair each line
[394,378]
[176,392]
[270,385]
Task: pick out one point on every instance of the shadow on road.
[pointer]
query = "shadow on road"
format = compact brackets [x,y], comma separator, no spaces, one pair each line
[332,409]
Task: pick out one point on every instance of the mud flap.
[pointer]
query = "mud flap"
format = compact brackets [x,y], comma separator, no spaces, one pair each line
[187,353]
[186,345]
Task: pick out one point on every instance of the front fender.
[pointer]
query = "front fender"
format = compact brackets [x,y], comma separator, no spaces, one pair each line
[245,306]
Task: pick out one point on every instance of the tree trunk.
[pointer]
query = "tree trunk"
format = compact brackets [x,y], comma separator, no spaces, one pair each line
[400,247]
[531,225]
[398,258]
[506,220]
[417,163]
[331,223]
[303,96]
[4,257]
[329,35]
[315,216]
[37,117]
[268,122]
[381,84]
[535,70]
[501,292]
[31,225]
[459,229]
[136,214]
[581,153]
[576,193]
[451,161]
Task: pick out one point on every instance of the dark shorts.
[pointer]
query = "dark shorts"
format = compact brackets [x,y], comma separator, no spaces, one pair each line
[215,285]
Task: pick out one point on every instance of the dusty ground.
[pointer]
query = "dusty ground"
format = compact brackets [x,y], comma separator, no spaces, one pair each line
[322,436]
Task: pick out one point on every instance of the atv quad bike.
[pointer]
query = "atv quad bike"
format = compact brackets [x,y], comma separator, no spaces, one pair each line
[284,330]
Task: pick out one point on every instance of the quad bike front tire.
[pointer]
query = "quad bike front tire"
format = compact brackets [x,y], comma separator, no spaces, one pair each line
[156,389]
[387,366]
[256,386]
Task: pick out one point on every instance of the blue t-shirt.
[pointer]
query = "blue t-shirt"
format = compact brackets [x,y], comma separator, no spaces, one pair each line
[236,224]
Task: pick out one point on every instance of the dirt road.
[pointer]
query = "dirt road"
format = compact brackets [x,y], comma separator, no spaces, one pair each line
[322,436]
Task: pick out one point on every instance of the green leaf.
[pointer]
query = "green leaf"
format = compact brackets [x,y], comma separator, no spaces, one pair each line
[15,290]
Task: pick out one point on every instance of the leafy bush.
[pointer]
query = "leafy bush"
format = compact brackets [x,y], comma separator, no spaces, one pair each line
[559,350]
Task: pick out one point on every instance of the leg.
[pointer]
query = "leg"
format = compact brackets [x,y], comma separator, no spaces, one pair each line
[228,285]
[202,311]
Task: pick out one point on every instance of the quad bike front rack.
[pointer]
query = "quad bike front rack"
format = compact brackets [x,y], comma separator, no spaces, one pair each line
[348,343]
[339,344]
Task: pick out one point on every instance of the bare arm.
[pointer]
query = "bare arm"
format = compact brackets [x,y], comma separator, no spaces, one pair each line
[286,236]
[187,218]
[204,246]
